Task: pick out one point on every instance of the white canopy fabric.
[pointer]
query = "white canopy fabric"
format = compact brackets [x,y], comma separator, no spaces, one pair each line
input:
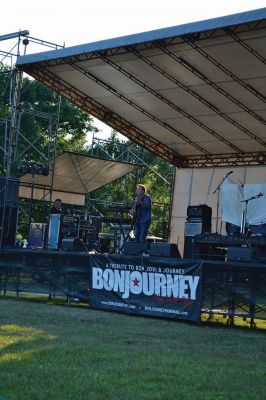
[74,176]
[193,94]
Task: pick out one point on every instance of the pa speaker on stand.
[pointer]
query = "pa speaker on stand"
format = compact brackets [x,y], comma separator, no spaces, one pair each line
[9,226]
[8,211]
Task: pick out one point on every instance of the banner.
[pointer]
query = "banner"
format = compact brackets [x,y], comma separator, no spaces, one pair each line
[169,288]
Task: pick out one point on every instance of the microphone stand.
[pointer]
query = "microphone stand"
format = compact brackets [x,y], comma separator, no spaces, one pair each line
[244,213]
[218,199]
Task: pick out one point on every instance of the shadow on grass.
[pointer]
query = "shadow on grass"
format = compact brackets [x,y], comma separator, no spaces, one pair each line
[54,352]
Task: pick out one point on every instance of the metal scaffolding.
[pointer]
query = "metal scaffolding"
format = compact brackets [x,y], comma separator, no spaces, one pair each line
[15,146]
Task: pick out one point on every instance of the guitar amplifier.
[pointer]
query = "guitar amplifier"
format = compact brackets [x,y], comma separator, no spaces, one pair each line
[200,214]
[193,228]
[201,211]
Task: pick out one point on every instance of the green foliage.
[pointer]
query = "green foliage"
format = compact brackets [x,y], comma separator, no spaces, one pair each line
[37,120]
[74,124]
[5,76]
[155,173]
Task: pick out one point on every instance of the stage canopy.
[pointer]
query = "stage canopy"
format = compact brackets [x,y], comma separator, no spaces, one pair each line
[74,176]
[193,94]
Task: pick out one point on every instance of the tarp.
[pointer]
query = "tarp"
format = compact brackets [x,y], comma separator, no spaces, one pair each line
[74,176]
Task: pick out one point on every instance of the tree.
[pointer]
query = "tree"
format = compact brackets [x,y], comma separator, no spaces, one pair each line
[155,173]
[36,120]
[38,111]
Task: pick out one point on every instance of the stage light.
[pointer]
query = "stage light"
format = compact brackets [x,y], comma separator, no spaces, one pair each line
[45,170]
[42,169]
[33,168]
[39,169]
[23,168]
[25,42]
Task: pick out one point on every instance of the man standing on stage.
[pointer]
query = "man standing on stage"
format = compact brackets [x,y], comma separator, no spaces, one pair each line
[55,234]
[56,209]
[141,212]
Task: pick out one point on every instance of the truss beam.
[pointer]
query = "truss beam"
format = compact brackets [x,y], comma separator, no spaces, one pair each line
[103,114]
[193,93]
[169,103]
[221,160]
[245,45]
[191,43]
[139,108]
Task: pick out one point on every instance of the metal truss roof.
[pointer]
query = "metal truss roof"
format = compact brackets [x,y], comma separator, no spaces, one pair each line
[193,94]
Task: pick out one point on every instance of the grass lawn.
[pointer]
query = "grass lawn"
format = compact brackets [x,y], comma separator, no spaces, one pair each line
[51,351]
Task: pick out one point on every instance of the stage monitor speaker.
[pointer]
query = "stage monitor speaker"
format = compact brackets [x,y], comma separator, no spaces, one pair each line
[135,248]
[164,250]
[9,226]
[241,254]
[9,192]
[73,244]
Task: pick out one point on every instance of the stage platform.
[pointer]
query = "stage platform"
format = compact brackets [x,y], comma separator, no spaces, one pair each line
[154,286]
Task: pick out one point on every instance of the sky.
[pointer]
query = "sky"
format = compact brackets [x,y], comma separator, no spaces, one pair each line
[76,22]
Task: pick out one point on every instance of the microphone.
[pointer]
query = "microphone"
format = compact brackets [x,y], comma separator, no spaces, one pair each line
[260,194]
[229,173]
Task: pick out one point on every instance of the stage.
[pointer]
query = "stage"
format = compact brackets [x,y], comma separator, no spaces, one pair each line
[164,287]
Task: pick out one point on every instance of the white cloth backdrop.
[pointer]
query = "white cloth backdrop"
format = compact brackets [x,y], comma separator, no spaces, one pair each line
[230,201]
[256,208]
[232,195]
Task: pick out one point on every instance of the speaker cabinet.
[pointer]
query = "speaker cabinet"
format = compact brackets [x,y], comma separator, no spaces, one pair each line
[232,230]
[9,226]
[241,254]
[164,250]
[135,248]
[193,228]
[72,244]
[188,247]
[201,214]
[9,192]
[257,230]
